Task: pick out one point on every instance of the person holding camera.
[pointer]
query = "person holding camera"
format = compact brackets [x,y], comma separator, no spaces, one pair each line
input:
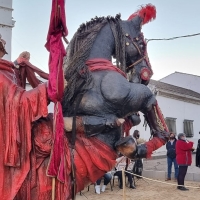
[127,164]
[184,150]
[171,157]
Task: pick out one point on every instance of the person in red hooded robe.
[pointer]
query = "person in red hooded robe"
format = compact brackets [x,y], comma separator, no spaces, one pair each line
[18,108]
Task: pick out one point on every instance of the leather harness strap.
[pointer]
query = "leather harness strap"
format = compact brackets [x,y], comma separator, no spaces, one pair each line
[138,49]
[136,62]
[145,73]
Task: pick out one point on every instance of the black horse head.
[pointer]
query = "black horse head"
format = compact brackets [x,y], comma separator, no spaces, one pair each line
[138,66]
[124,41]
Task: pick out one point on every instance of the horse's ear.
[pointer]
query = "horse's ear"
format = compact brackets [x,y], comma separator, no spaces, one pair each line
[146,13]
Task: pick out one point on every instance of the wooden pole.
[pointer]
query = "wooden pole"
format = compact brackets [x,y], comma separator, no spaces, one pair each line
[124,184]
[53,188]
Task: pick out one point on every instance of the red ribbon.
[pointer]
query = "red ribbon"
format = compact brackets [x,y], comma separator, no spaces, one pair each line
[98,64]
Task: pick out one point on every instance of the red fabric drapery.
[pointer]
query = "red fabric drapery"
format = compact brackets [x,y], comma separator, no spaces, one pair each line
[27,71]
[54,45]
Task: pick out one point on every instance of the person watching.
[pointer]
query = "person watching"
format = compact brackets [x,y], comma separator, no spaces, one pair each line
[198,154]
[184,150]
[122,163]
[171,156]
[107,178]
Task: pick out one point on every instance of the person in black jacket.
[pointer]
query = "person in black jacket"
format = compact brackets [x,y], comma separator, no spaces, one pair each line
[198,154]
[171,157]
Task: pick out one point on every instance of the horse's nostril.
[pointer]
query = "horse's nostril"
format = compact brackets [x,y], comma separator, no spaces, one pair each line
[145,74]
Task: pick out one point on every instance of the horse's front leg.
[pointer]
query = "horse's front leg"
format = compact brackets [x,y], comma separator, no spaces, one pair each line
[158,127]
[93,125]
[156,122]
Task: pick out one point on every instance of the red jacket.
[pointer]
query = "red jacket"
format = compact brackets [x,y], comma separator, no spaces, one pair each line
[183,152]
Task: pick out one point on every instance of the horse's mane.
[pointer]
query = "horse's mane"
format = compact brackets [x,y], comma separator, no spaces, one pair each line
[77,74]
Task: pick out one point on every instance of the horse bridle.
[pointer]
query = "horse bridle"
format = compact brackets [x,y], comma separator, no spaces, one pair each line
[145,72]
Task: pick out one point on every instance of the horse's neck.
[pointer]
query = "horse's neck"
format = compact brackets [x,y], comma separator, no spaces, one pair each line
[104,44]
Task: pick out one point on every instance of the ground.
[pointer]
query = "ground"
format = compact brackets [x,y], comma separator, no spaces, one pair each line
[145,191]
[148,190]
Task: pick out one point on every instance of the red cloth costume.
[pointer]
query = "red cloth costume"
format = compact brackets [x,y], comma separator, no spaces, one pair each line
[184,152]
[92,159]
[18,109]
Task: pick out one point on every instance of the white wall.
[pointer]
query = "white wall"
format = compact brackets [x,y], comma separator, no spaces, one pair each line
[187,81]
[6,3]
[175,109]
[6,34]
[6,24]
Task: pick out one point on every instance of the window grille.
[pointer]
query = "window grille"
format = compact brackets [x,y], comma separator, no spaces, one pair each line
[188,128]
[171,124]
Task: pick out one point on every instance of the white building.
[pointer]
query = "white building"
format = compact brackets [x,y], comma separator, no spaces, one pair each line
[188,81]
[6,24]
[180,107]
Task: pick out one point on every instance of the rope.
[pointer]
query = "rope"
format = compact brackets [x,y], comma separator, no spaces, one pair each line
[161,181]
[173,38]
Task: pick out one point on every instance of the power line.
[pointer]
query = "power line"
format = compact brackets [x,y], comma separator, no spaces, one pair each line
[173,38]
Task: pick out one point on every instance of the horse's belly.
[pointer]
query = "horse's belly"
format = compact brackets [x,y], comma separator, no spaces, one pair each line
[93,103]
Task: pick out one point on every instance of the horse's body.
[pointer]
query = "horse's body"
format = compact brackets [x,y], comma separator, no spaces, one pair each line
[108,94]
[100,93]
[111,96]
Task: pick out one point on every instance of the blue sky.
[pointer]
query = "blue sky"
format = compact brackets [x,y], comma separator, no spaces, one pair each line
[174,18]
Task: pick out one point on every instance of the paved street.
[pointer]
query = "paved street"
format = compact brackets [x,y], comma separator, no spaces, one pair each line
[161,165]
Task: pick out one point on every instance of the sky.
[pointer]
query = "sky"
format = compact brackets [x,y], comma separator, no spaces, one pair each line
[174,18]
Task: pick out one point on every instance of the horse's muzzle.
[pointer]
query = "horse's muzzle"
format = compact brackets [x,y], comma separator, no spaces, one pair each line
[127,146]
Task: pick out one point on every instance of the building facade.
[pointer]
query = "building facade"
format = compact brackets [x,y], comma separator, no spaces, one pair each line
[6,24]
[188,81]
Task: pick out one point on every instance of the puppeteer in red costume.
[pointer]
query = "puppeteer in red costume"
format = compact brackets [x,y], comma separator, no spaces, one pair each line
[18,109]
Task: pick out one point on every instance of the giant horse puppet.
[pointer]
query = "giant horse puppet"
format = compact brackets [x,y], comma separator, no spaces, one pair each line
[97,97]
[100,93]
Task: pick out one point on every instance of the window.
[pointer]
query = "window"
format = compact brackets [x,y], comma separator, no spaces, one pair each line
[171,123]
[188,128]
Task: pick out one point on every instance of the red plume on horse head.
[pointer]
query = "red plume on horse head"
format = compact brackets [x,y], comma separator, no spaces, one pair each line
[147,13]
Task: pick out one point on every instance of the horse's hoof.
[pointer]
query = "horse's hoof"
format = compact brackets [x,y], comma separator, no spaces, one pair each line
[127,146]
